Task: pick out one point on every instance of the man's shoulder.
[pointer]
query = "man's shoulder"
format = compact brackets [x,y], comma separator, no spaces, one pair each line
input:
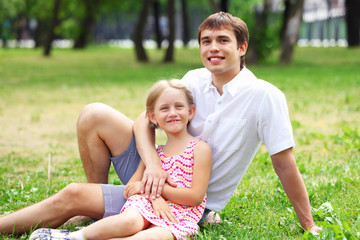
[197,78]
[260,85]
[198,73]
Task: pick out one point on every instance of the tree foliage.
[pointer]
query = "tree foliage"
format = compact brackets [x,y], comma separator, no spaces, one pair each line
[263,25]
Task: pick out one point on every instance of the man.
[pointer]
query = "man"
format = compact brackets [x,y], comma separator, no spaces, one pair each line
[235,113]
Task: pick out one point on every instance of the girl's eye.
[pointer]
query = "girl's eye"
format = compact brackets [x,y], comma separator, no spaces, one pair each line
[179,106]
[163,108]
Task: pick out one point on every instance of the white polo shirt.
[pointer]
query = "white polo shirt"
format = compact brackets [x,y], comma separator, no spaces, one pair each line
[249,111]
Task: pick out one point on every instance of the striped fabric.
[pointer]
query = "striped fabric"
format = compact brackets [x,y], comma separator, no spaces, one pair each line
[180,168]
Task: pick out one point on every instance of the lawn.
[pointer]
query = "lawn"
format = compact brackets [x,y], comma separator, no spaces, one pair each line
[40,99]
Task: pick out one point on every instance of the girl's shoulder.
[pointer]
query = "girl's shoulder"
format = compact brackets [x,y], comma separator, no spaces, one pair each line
[202,147]
[202,154]
[198,142]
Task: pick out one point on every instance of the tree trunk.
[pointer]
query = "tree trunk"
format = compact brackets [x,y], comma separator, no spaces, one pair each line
[40,33]
[255,52]
[169,55]
[353,22]
[138,33]
[51,33]
[158,34]
[290,29]
[185,23]
[5,32]
[91,6]
[224,5]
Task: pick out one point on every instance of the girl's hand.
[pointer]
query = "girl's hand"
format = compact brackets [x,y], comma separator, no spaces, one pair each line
[132,188]
[162,210]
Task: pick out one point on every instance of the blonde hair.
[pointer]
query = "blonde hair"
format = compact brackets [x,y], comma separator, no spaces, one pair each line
[159,88]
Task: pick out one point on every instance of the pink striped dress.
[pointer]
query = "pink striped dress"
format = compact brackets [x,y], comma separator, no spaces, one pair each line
[180,168]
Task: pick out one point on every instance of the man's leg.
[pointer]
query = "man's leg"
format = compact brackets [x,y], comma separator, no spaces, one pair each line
[102,131]
[74,199]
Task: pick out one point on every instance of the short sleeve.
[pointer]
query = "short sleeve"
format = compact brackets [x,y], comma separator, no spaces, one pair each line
[274,126]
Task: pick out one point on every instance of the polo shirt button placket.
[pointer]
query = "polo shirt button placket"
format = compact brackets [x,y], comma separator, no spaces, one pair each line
[218,104]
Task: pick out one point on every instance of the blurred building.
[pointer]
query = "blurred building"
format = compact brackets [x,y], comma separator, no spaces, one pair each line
[323,23]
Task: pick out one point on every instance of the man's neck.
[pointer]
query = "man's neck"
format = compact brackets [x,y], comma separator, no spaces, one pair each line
[220,79]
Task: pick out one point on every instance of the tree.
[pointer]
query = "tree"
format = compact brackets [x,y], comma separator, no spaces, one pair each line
[185,24]
[222,6]
[9,10]
[51,32]
[215,6]
[158,35]
[292,19]
[138,32]
[256,50]
[353,22]
[169,55]
[41,12]
[87,23]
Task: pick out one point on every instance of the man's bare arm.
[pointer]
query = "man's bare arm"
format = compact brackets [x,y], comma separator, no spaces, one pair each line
[285,167]
[154,177]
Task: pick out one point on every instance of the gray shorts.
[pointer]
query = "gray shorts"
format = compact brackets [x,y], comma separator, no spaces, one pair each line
[125,166]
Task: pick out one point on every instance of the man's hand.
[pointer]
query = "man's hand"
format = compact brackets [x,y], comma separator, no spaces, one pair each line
[132,188]
[153,181]
[163,211]
[315,229]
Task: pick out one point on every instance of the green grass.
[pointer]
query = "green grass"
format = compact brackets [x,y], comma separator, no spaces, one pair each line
[40,99]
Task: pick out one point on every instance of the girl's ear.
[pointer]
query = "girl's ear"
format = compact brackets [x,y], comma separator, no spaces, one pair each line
[192,110]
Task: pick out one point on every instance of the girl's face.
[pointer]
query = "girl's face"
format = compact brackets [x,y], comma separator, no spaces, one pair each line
[172,111]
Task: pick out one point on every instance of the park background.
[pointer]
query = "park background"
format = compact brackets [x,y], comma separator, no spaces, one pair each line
[56,59]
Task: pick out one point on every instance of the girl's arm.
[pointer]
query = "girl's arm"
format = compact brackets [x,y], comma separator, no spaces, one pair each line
[202,168]
[134,185]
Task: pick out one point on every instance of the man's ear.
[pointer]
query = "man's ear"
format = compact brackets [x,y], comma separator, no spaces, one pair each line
[243,48]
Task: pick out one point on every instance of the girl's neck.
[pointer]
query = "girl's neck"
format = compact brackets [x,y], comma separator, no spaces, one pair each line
[176,144]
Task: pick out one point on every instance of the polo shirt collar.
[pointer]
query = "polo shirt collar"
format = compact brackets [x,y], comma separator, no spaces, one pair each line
[208,86]
[232,86]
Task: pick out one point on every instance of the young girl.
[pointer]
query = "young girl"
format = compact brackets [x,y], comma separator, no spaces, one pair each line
[175,214]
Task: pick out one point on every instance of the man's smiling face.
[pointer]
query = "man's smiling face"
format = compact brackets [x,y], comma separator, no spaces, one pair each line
[219,51]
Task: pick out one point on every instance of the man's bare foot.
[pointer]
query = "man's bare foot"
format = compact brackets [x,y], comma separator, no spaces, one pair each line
[77,220]
[212,218]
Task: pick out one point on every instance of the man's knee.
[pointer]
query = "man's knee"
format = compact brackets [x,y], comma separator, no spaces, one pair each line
[69,197]
[91,115]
